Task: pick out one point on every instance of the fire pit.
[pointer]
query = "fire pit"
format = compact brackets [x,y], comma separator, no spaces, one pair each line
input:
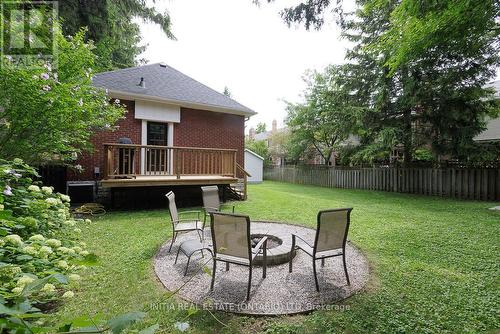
[279,245]
[272,241]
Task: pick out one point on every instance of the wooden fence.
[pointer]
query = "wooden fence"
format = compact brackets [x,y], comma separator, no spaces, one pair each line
[474,184]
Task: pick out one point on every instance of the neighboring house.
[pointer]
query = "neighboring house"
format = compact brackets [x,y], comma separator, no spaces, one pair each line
[492,132]
[176,132]
[276,152]
[254,165]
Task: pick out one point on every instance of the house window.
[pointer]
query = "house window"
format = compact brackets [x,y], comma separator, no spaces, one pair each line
[157,134]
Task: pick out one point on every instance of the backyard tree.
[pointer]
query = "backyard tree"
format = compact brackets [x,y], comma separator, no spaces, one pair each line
[279,143]
[110,25]
[260,147]
[326,118]
[418,67]
[49,114]
[260,128]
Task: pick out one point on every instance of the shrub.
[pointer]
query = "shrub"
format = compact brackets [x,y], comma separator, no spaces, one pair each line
[38,239]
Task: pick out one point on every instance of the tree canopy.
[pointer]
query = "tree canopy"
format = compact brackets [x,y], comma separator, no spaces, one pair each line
[110,25]
[260,128]
[418,68]
[326,118]
[49,114]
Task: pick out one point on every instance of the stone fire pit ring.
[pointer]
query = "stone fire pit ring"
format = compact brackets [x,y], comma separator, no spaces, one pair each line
[280,292]
[275,255]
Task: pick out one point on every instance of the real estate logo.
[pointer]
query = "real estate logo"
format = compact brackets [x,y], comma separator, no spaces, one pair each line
[28,33]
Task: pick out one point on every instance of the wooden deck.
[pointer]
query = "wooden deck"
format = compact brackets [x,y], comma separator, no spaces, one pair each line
[168,180]
[128,165]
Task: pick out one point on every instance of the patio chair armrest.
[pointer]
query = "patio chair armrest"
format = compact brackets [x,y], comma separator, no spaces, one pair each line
[209,209]
[297,236]
[259,245]
[175,222]
[190,212]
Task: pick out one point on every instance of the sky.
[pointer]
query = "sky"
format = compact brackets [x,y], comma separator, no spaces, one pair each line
[245,47]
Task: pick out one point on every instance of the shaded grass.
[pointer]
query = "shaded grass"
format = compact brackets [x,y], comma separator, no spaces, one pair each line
[435,265]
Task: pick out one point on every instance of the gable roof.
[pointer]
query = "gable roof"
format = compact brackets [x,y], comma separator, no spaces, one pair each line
[254,154]
[165,84]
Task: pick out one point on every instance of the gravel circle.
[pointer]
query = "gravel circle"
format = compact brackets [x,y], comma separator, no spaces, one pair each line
[280,292]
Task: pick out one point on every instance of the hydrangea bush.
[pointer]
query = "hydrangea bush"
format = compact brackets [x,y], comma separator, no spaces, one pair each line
[38,239]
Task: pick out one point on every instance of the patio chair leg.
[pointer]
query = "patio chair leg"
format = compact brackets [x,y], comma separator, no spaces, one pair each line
[173,240]
[200,235]
[202,255]
[291,254]
[345,269]
[315,274]
[176,256]
[227,266]
[249,282]
[264,262]
[214,268]
[323,262]
[187,266]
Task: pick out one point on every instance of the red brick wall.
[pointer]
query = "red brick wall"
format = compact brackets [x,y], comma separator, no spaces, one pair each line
[198,128]
[128,127]
[201,128]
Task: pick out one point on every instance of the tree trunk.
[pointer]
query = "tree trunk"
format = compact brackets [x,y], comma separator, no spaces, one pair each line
[407,119]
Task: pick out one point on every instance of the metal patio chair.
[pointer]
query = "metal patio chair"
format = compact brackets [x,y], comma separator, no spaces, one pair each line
[330,240]
[180,225]
[232,244]
[211,202]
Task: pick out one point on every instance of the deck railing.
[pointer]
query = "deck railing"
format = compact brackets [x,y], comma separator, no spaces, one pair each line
[125,160]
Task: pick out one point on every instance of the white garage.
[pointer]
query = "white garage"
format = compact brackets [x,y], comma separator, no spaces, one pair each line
[254,165]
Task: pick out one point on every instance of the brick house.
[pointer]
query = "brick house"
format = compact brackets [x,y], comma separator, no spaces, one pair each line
[176,132]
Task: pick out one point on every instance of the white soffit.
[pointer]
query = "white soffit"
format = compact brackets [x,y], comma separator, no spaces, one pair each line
[159,112]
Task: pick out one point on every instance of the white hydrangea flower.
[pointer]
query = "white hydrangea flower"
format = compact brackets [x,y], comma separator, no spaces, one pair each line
[53,243]
[17,290]
[84,253]
[83,244]
[62,264]
[77,249]
[24,280]
[49,288]
[88,221]
[15,270]
[70,223]
[14,239]
[2,207]
[77,230]
[46,250]
[65,250]
[65,198]
[34,188]
[47,190]
[52,201]
[37,237]
[74,277]
[30,250]
[68,294]
[2,243]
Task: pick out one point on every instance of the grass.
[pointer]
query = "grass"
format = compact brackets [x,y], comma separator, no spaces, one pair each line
[435,265]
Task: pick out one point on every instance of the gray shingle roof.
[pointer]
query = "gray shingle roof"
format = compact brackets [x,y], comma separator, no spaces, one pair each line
[166,83]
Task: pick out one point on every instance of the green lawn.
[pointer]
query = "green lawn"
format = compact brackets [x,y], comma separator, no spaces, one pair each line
[435,265]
